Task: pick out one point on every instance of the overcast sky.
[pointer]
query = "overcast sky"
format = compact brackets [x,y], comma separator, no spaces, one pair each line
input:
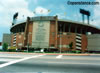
[34,7]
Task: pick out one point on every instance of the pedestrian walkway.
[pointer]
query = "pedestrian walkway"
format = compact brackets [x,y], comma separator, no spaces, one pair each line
[8,60]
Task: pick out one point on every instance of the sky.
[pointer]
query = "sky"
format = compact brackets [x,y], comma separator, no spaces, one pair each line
[34,8]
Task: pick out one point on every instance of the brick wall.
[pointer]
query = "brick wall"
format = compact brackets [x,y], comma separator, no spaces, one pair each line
[84,43]
[30,29]
[52,39]
[66,38]
[19,39]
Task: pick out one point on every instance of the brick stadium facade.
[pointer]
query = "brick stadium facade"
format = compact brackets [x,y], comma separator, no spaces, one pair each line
[51,33]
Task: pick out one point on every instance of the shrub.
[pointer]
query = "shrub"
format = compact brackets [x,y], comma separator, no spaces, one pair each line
[5,46]
[12,49]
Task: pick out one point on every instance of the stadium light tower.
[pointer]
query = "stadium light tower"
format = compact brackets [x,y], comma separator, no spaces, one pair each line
[84,12]
[14,18]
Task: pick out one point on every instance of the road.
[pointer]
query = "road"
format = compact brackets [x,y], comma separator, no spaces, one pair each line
[43,63]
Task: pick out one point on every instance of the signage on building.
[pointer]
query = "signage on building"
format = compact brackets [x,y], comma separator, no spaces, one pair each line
[40,36]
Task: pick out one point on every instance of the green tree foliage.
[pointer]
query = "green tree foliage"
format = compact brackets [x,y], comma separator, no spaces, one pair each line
[71,45]
[5,46]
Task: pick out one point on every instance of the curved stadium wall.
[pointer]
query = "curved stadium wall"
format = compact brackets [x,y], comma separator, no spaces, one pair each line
[49,32]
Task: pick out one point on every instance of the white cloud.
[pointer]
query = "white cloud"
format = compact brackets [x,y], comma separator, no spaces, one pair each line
[9,7]
[42,11]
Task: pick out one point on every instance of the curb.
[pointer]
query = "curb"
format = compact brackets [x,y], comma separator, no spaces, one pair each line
[49,53]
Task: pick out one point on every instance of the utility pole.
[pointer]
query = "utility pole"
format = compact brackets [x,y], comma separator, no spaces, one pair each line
[60,38]
[56,20]
[28,43]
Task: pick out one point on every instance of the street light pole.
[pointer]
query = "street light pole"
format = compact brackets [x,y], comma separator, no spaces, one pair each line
[28,43]
[60,38]
[60,43]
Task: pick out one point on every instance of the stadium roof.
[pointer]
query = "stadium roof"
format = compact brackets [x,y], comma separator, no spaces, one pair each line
[53,18]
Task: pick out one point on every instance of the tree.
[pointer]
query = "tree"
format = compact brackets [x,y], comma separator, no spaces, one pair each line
[5,46]
[71,46]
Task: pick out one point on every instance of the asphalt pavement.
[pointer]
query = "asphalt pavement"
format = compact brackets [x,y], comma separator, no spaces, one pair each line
[44,63]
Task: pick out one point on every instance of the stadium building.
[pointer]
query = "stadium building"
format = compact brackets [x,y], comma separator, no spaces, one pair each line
[49,32]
